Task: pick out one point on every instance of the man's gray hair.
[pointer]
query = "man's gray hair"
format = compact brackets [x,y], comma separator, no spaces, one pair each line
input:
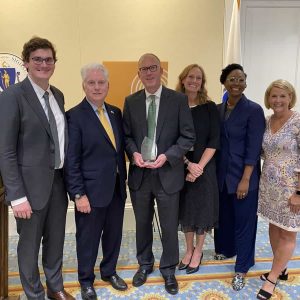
[93,67]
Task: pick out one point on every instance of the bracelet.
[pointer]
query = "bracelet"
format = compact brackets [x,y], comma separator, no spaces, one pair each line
[186,161]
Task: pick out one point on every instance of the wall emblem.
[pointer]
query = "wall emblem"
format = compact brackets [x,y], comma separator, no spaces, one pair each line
[11,70]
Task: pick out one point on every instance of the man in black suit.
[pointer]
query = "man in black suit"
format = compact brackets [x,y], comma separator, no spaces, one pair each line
[162,179]
[95,178]
[32,148]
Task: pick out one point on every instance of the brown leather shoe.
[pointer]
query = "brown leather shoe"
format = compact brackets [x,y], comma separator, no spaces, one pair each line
[61,295]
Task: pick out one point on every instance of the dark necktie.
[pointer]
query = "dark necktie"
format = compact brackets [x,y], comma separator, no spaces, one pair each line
[151,118]
[53,129]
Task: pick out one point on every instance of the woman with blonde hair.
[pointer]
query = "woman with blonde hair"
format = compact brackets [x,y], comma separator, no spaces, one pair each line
[198,213]
[279,188]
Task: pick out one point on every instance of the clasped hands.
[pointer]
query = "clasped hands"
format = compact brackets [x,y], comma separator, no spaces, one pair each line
[195,170]
[159,162]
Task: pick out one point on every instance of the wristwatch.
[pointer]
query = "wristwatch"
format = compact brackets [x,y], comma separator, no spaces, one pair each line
[297,192]
[78,196]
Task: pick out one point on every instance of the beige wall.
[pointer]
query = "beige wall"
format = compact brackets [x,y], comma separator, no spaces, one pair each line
[178,31]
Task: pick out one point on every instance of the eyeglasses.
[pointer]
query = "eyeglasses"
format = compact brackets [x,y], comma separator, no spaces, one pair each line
[39,60]
[239,80]
[152,68]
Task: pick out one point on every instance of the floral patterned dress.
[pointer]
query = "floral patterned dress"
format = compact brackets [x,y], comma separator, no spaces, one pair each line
[281,154]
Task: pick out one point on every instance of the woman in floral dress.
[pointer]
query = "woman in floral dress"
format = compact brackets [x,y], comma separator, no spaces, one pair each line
[279,190]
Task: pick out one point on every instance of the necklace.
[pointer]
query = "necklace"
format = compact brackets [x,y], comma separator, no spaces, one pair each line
[230,105]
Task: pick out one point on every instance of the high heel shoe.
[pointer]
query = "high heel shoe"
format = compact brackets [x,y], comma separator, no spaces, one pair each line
[262,294]
[283,276]
[191,270]
[183,266]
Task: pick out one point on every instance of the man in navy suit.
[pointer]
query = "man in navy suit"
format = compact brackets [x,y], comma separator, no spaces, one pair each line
[162,179]
[95,178]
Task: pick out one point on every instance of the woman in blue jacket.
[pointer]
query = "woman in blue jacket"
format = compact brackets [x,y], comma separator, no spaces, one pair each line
[238,171]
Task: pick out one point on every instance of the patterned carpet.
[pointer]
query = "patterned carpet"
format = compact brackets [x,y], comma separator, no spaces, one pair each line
[211,282]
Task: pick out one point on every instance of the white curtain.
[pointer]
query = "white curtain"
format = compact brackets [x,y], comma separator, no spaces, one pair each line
[232,33]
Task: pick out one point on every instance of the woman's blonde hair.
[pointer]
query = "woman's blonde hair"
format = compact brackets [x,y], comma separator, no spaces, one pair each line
[202,96]
[281,84]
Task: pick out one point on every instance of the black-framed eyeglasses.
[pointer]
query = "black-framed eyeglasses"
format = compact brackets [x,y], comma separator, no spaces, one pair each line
[239,80]
[39,60]
[152,68]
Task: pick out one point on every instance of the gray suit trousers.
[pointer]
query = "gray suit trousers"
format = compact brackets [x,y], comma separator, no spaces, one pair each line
[48,225]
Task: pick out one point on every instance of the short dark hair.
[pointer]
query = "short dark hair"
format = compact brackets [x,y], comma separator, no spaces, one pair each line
[34,44]
[228,69]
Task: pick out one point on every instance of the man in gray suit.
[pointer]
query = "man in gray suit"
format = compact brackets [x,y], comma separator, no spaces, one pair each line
[32,149]
[162,179]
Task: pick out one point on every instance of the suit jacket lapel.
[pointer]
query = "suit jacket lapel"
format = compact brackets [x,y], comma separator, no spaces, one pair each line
[58,99]
[35,104]
[93,117]
[141,111]
[162,112]
[237,111]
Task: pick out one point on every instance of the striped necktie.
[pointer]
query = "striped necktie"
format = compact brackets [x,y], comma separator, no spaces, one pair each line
[106,126]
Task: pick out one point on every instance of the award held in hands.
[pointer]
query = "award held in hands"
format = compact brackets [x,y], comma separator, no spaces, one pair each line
[149,147]
[148,150]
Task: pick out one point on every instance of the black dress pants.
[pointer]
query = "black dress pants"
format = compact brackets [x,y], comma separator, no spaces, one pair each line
[167,206]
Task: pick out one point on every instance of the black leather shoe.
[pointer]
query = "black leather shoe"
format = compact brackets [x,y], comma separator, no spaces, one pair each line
[60,295]
[171,284]
[88,293]
[140,277]
[116,281]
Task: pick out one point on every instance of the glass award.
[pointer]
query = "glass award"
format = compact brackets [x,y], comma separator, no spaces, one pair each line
[148,150]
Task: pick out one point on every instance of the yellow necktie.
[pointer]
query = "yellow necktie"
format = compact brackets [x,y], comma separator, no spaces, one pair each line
[106,125]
